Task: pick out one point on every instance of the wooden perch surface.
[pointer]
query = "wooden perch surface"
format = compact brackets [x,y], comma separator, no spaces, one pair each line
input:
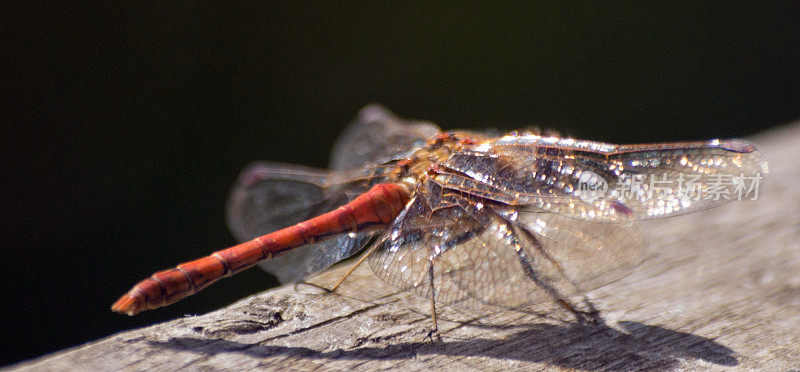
[719,290]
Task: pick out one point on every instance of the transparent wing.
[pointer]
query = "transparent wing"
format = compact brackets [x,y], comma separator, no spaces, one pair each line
[479,250]
[270,196]
[589,253]
[664,180]
[643,181]
[377,135]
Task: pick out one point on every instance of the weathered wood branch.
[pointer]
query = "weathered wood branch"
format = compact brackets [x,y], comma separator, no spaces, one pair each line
[720,290]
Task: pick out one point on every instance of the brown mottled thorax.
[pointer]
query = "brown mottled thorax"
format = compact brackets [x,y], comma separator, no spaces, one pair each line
[415,168]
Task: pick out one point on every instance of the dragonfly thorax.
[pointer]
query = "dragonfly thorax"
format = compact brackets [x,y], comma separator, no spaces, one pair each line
[436,151]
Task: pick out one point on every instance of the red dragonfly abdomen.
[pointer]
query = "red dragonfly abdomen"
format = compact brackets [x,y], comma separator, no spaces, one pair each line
[376,207]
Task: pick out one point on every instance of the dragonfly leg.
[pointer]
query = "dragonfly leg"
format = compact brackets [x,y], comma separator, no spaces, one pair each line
[315,285]
[590,316]
[355,265]
[435,331]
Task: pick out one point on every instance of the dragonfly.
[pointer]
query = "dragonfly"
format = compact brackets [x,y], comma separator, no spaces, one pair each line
[460,216]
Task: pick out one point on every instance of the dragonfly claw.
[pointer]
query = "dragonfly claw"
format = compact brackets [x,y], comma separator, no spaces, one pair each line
[434,336]
[589,316]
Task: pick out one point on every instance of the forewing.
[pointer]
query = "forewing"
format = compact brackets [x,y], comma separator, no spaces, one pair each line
[547,183]
[641,181]
[270,196]
[377,135]
[664,180]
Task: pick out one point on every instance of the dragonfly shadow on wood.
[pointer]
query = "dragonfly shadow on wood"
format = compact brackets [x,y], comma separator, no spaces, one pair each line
[576,345]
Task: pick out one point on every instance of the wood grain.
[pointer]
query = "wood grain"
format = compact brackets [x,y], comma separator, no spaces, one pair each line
[719,290]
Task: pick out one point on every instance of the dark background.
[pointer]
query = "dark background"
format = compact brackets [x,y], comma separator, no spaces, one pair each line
[125,125]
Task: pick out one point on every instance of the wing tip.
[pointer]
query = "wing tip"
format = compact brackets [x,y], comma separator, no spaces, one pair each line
[735,145]
[741,146]
[374,112]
